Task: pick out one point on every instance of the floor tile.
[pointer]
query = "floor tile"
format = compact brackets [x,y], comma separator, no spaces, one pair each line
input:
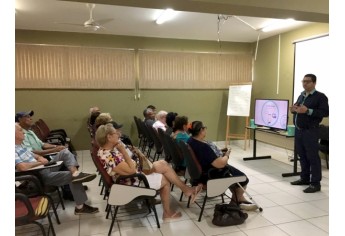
[301,228]
[287,211]
[267,231]
[305,210]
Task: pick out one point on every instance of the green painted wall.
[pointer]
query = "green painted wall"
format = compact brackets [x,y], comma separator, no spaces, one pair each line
[68,109]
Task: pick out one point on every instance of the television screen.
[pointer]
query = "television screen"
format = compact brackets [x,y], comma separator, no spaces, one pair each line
[272,113]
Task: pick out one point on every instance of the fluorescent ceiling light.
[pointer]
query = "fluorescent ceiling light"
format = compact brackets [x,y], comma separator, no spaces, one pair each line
[166,15]
[278,25]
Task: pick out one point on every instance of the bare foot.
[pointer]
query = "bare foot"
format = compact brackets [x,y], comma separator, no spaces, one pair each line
[197,190]
[194,190]
[174,215]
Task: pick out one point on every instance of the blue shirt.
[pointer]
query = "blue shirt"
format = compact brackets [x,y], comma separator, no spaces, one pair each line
[23,154]
[204,153]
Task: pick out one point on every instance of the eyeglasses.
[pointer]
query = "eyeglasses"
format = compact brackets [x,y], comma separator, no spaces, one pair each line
[306,81]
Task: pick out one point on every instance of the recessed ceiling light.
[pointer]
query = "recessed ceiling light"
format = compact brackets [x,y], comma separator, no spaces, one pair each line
[278,24]
[166,15]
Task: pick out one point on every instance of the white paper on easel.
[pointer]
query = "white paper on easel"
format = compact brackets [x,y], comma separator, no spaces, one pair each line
[239,100]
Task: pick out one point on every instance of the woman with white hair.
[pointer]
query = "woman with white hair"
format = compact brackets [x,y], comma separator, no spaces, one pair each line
[161,121]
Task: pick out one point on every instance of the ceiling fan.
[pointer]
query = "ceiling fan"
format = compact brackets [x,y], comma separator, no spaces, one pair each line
[91,24]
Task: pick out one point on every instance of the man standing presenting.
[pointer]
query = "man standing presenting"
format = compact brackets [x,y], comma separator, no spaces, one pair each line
[309,110]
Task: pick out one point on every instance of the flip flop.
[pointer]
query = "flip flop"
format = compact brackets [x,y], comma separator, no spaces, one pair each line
[244,202]
[198,189]
[176,215]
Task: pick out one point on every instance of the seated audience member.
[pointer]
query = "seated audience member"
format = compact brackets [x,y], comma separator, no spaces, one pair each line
[181,128]
[180,133]
[35,145]
[153,108]
[105,118]
[25,159]
[161,121]
[170,122]
[93,117]
[208,159]
[149,116]
[102,119]
[92,111]
[117,162]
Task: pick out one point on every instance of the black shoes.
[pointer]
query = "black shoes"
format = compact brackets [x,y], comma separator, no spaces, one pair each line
[83,177]
[312,189]
[86,210]
[300,182]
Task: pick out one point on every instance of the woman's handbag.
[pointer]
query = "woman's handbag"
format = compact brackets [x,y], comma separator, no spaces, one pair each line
[145,164]
[227,215]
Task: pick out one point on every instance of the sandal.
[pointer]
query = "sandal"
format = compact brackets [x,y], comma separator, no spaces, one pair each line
[198,189]
[244,202]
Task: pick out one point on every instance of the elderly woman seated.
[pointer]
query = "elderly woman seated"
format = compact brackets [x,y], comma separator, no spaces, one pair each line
[117,162]
[210,157]
[161,122]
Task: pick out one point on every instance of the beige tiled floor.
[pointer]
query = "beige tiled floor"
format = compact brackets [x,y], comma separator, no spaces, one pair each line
[286,209]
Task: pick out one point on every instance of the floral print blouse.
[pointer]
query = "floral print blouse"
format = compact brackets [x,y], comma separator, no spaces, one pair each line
[110,159]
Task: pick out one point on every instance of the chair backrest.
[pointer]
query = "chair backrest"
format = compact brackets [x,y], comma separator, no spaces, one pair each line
[38,132]
[45,129]
[145,131]
[43,126]
[31,209]
[193,165]
[324,132]
[140,131]
[166,148]
[176,153]
[324,138]
[107,179]
[154,135]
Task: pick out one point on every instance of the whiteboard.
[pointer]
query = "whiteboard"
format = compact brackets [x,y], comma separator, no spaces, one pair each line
[239,100]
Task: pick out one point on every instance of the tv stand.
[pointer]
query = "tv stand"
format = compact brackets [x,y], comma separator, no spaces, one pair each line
[279,139]
[254,146]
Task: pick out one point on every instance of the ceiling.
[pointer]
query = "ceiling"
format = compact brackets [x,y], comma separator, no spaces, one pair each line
[196,19]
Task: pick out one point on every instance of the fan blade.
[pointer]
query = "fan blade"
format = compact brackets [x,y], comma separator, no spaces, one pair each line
[63,23]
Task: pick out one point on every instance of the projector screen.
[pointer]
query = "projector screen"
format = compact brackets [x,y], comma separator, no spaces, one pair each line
[312,57]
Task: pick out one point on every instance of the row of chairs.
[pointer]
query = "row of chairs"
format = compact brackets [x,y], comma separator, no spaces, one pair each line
[33,200]
[148,138]
[178,152]
[31,209]
[55,136]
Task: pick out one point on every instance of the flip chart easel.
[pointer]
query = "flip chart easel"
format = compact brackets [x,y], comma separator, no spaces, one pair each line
[238,105]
